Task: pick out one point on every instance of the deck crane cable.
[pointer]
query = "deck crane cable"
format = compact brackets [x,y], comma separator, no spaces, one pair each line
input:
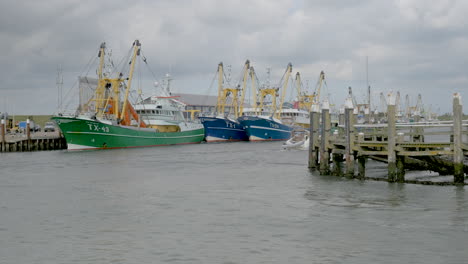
[143,57]
[280,85]
[249,88]
[139,96]
[227,79]
[237,86]
[325,91]
[229,99]
[291,91]
[86,69]
[256,92]
[210,88]
[317,90]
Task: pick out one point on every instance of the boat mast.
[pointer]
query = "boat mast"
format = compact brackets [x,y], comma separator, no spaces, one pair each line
[368,86]
[136,52]
[100,90]
[59,83]
[298,87]
[316,96]
[244,84]
[220,88]
[264,91]
[254,90]
[101,59]
[283,92]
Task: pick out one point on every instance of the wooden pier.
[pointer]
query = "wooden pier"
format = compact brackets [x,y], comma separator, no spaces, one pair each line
[30,141]
[436,146]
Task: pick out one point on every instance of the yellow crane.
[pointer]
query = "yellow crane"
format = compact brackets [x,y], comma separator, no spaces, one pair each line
[107,95]
[318,87]
[245,73]
[237,93]
[283,91]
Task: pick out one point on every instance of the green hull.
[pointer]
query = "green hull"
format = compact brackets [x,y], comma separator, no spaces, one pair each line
[90,134]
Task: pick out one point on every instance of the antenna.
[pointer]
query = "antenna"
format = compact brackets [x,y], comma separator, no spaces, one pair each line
[59,83]
[268,76]
[367,82]
[228,78]
[367,71]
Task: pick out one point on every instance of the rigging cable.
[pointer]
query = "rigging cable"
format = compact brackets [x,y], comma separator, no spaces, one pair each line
[73,88]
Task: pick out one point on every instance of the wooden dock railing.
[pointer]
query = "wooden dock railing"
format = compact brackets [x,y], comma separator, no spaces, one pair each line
[433,145]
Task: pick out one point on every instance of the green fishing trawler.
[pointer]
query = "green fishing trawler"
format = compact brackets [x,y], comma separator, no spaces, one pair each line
[107,118]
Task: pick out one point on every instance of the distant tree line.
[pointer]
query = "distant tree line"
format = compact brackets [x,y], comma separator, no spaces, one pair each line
[449,116]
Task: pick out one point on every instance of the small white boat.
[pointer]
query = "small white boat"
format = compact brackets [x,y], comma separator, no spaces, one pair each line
[299,140]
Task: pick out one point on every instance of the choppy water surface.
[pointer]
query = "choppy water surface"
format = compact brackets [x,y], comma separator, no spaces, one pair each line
[217,203]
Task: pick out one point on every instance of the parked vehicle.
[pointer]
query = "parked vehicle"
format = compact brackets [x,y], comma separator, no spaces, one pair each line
[33,126]
[49,127]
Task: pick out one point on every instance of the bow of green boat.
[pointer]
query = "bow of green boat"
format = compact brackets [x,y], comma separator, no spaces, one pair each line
[84,133]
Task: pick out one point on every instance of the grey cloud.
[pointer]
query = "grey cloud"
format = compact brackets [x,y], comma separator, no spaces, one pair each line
[415,46]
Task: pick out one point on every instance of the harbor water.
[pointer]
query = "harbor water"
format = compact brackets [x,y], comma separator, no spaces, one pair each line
[218,203]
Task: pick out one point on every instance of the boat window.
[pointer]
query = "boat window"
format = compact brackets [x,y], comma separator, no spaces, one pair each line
[154,112]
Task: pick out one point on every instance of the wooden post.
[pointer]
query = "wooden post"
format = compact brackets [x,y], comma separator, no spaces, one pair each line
[2,127]
[418,130]
[28,134]
[337,160]
[341,117]
[361,160]
[367,115]
[400,164]
[325,134]
[400,167]
[361,163]
[313,136]
[349,130]
[391,133]
[458,175]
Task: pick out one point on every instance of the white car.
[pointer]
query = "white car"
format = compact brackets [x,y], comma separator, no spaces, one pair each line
[49,127]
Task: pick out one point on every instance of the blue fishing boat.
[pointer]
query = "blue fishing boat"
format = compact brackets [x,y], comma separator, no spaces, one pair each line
[264,123]
[223,125]
[219,129]
[260,128]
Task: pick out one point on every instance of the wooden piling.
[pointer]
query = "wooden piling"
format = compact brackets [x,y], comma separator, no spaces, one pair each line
[418,131]
[361,169]
[337,160]
[325,134]
[361,160]
[349,131]
[341,117]
[28,135]
[391,133]
[313,136]
[458,175]
[3,143]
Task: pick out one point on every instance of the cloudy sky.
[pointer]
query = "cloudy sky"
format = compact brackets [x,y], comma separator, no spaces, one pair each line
[412,46]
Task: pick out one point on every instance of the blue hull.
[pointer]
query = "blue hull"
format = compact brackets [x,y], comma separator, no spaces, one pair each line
[262,129]
[221,129]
